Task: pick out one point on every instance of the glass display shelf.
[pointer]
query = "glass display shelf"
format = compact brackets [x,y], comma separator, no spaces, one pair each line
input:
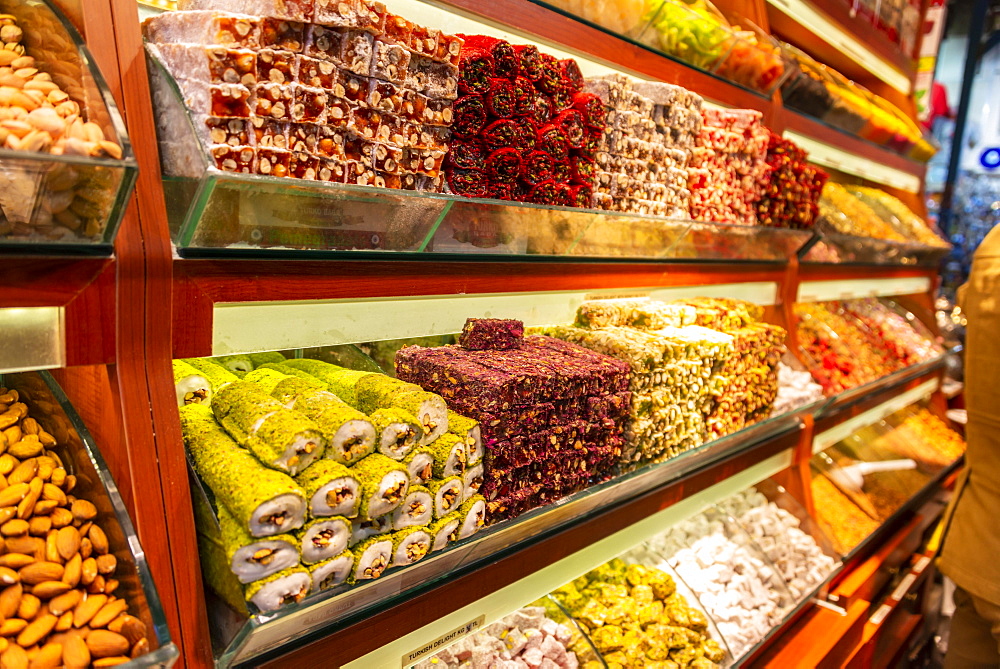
[216,213]
[834,248]
[897,378]
[81,456]
[702,40]
[242,636]
[71,203]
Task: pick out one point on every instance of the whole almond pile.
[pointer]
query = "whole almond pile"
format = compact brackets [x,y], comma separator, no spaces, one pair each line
[57,605]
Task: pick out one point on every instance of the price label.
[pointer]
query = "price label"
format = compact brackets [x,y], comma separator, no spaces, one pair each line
[442,641]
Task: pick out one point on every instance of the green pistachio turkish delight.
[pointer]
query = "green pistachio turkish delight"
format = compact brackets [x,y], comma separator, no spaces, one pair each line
[398,432]
[322,538]
[447,494]
[430,410]
[265,357]
[364,529]
[410,545]
[265,501]
[332,571]
[473,514]
[267,379]
[420,465]
[291,387]
[281,438]
[215,572]
[285,368]
[285,587]
[450,457]
[190,385]
[442,529]
[350,435]
[211,369]
[384,483]
[375,391]
[237,364]
[373,556]
[341,381]
[417,508]
[468,429]
[251,558]
[331,489]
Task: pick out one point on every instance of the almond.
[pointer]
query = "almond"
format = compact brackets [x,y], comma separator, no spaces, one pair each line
[8,576]
[37,630]
[76,655]
[103,643]
[110,661]
[39,526]
[44,507]
[72,571]
[88,571]
[68,542]
[106,564]
[49,656]
[12,626]
[10,600]
[61,517]
[15,560]
[50,589]
[65,621]
[14,657]
[98,539]
[67,601]
[23,473]
[81,508]
[27,505]
[29,607]
[13,494]
[14,528]
[108,612]
[37,572]
[52,492]
[87,609]
[140,648]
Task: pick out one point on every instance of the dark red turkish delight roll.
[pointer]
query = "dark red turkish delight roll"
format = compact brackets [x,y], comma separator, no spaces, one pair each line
[543,111]
[505,190]
[470,116]
[503,54]
[468,183]
[527,132]
[524,96]
[561,171]
[571,73]
[552,140]
[551,77]
[467,154]
[500,99]
[592,142]
[571,122]
[580,195]
[562,194]
[545,192]
[536,167]
[476,68]
[562,98]
[530,61]
[595,114]
[584,168]
[508,132]
[504,165]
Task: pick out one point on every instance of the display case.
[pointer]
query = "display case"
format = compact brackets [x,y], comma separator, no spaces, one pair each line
[63,192]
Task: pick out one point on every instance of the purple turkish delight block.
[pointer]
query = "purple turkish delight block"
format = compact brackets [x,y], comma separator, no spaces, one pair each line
[619,404]
[449,372]
[572,409]
[503,482]
[521,420]
[612,373]
[598,407]
[481,334]
[513,505]
[531,381]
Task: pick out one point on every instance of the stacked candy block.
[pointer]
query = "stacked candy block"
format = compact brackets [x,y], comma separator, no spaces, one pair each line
[673,369]
[524,130]
[728,168]
[642,155]
[342,92]
[748,379]
[323,475]
[791,195]
[550,412]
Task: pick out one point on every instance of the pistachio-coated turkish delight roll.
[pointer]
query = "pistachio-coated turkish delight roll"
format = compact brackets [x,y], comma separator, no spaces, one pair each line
[410,545]
[442,529]
[331,572]
[376,391]
[420,465]
[468,429]
[447,495]
[365,529]
[288,586]
[331,489]
[285,368]
[341,381]
[280,438]
[472,481]
[267,379]
[217,375]
[450,457]
[265,357]
[398,432]
[291,387]
[190,386]
[373,557]
[252,559]
[417,508]
[473,515]
[323,538]
[266,501]
[384,483]
[237,364]
[350,434]
[430,410]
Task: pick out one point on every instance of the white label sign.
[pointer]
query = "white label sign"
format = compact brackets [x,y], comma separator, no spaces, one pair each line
[442,641]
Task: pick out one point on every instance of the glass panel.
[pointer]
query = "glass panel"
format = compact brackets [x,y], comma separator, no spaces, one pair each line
[71,201]
[838,249]
[50,406]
